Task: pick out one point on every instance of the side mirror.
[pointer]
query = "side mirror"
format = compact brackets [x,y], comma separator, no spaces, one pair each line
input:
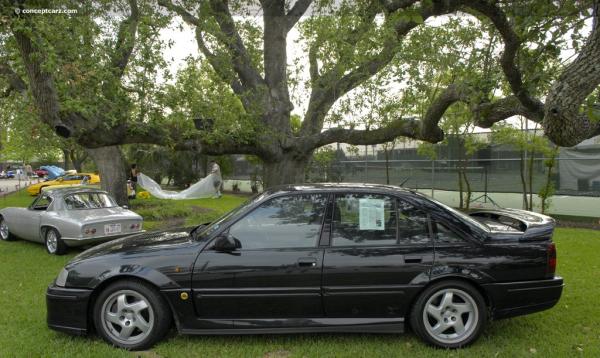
[227,243]
[125,206]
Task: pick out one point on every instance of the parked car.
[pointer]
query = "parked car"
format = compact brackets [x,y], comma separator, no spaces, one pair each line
[67,179]
[315,258]
[41,173]
[68,217]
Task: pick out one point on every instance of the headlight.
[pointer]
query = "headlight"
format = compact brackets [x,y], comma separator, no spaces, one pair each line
[61,280]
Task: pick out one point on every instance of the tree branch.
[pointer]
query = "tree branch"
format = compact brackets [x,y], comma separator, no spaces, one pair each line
[488,113]
[512,43]
[329,87]
[125,44]
[15,82]
[296,13]
[185,15]
[397,128]
[230,38]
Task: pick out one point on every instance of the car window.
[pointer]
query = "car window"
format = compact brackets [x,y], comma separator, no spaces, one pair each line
[89,201]
[41,203]
[363,219]
[445,235]
[413,225]
[285,222]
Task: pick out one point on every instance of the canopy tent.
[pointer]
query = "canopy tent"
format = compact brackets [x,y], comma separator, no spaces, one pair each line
[205,188]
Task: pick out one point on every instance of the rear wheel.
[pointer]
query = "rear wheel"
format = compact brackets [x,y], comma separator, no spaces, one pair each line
[131,315]
[54,244]
[449,314]
[5,234]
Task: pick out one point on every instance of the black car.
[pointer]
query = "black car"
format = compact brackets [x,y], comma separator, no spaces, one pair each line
[315,258]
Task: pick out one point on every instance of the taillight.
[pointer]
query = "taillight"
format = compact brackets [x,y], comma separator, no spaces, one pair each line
[89,231]
[135,226]
[551,259]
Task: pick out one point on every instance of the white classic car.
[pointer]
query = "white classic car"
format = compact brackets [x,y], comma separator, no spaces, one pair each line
[68,217]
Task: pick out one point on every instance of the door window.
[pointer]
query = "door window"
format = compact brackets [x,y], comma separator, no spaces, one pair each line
[41,203]
[413,225]
[444,235]
[364,219]
[285,222]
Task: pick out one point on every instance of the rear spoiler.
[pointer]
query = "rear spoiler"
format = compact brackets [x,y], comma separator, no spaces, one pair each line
[534,226]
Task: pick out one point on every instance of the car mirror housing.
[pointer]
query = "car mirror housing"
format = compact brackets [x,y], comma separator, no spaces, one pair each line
[226,243]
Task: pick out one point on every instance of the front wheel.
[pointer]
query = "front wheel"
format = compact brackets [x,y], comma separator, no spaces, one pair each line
[449,314]
[54,244]
[131,315]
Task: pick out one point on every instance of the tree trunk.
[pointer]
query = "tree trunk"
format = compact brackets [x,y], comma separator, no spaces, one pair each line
[113,171]
[387,166]
[460,187]
[468,187]
[530,178]
[523,182]
[66,159]
[77,160]
[284,171]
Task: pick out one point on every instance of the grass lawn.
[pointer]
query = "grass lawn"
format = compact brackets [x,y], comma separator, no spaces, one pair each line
[572,328]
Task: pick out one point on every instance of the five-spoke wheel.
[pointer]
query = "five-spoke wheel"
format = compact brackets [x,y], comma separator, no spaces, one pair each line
[54,244]
[449,314]
[131,315]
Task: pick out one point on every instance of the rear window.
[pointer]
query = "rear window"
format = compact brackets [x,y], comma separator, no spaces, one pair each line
[89,201]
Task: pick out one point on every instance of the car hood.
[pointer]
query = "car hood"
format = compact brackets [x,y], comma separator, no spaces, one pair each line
[162,242]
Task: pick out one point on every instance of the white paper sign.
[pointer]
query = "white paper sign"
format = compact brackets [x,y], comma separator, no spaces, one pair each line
[371,214]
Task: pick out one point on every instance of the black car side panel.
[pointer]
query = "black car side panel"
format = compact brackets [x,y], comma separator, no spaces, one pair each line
[374,281]
[490,262]
[273,283]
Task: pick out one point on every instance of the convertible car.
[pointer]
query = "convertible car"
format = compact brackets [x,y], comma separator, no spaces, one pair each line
[315,258]
[67,179]
[66,217]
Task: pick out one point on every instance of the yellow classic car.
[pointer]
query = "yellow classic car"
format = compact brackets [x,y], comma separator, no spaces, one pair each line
[65,180]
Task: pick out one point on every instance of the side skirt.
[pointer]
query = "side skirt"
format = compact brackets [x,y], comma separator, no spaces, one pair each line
[304,325]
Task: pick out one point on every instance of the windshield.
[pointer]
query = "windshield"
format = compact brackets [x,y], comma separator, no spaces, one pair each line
[215,225]
[463,216]
[89,201]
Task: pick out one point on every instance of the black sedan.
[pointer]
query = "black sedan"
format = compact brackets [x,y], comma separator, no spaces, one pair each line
[315,258]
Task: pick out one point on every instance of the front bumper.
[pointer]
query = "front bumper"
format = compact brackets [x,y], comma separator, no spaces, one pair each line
[68,309]
[511,299]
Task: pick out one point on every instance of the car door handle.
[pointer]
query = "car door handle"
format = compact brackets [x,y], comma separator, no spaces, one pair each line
[307,262]
[412,259]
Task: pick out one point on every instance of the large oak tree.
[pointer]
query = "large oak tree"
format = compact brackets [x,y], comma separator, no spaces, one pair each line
[88,92]
[345,54]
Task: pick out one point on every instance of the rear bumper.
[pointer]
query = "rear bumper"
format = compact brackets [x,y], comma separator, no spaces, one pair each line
[67,309]
[511,299]
[82,241]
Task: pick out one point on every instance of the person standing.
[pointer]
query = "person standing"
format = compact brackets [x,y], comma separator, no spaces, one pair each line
[215,170]
[133,176]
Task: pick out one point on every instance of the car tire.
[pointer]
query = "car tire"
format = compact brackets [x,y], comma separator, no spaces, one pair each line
[54,244]
[5,234]
[131,315]
[449,314]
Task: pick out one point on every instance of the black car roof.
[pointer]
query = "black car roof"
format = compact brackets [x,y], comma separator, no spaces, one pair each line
[337,187]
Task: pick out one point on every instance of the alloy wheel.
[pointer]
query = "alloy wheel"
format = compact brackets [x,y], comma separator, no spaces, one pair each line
[4,233]
[51,241]
[127,316]
[450,315]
